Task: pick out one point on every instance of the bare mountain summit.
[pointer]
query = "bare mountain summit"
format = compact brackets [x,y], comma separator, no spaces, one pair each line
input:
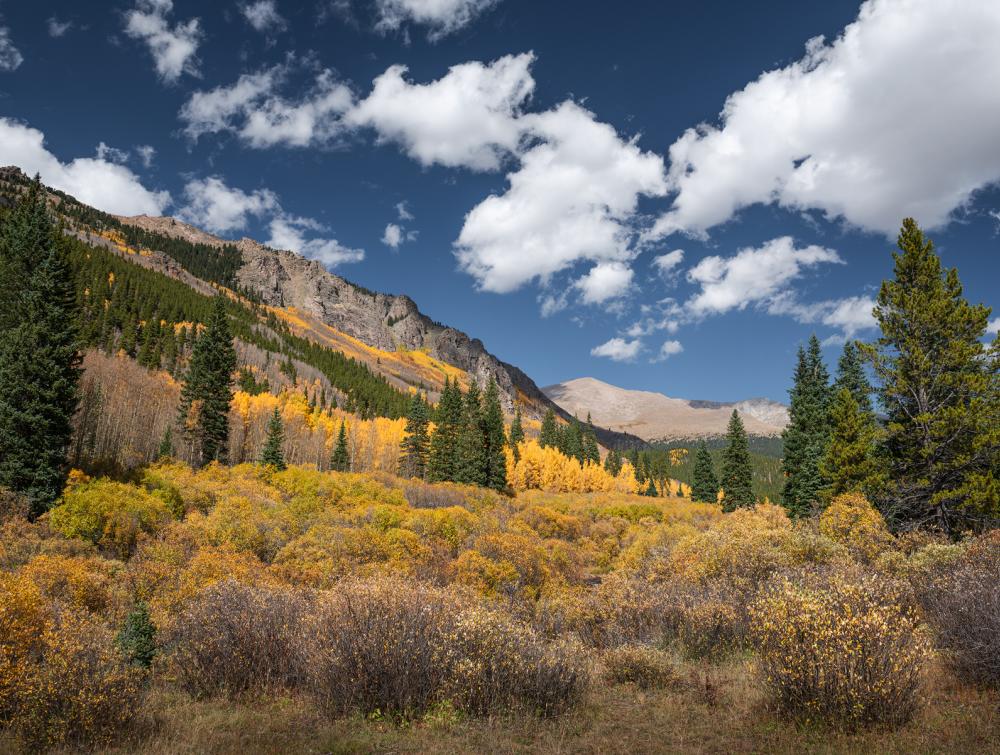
[653,416]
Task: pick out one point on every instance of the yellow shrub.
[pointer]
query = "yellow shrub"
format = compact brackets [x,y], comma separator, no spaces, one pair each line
[644,666]
[844,647]
[851,520]
[112,515]
[78,582]
[24,617]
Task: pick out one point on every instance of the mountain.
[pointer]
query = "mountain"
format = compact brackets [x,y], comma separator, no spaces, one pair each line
[654,417]
[296,313]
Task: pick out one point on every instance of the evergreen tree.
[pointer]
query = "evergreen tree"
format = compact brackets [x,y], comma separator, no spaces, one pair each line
[207,391]
[613,462]
[939,386]
[39,357]
[442,464]
[166,450]
[705,485]
[850,464]
[851,375]
[651,489]
[416,444]
[737,472]
[549,435]
[471,440]
[591,451]
[340,459]
[571,440]
[137,638]
[516,434]
[808,432]
[495,471]
[273,454]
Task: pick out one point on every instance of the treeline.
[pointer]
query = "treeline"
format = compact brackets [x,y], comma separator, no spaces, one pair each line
[678,462]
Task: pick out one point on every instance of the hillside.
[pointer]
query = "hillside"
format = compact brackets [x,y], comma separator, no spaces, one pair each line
[655,417]
[316,312]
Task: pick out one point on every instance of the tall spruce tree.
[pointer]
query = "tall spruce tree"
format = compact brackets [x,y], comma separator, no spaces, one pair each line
[591,451]
[416,444]
[208,389]
[808,432]
[442,464]
[850,464]
[516,433]
[340,459]
[851,375]
[471,440]
[495,469]
[939,386]
[705,485]
[737,471]
[549,435]
[39,356]
[273,454]
[613,462]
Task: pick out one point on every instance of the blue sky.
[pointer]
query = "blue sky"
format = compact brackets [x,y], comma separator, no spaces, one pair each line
[665,196]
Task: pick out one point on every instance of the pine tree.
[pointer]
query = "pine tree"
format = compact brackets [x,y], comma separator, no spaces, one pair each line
[939,386]
[471,440]
[137,638]
[207,391]
[651,489]
[851,375]
[613,462]
[39,357]
[572,440]
[442,463]
[808,432]
[516,434]
[340,459]
[166,450]
[549,435]
[705,485]
[591,451]
[273,454]
[495,471]
[850,464]
[416,444]
[737,472]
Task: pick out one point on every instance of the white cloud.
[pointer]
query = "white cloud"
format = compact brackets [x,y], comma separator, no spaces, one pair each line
[111,154]
[995,214]
[100,183]
[58,28]
[261,118]
[289,232]
[393,236]
[752,276]
[896,117]
[669,349]
[218,208]
[467,118]
[10,56]
[604,281]
[572,199]
[441,17]
[146,153]
[173,48]
[850,315]
[403,211]
[994,327]
[666,264]
[263,16]
[618,349]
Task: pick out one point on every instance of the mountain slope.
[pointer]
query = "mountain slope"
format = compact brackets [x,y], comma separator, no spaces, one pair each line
[653,416]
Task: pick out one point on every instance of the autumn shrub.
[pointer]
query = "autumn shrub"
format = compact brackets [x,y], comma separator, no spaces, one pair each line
[841,646]
[13,505]
[644,666]
[962,604]
[399,647]
[422,495]
[79,582]
[112,515]
[852,521]
[24,617]
[237,640]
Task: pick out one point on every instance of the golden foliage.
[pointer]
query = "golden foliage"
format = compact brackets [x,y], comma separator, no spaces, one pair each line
[852,521]
[550,470]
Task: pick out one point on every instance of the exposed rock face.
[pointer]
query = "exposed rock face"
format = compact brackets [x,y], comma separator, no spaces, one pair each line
[653,416]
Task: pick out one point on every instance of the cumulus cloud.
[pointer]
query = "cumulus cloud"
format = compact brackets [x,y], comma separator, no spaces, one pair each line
[219,208]
[467,118]
[293,233]
[668,349]
[751,276]
[111,154]
[848,130]
[393,235]
[571,200]
[666,264]
[174,48]
[618,349]
[98,182]
[147,153]
[994,327]
[58,28]
[403,210]
[850,315]
[10,56]
[441,17]
[263,16]
[607,280]
[260,117]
